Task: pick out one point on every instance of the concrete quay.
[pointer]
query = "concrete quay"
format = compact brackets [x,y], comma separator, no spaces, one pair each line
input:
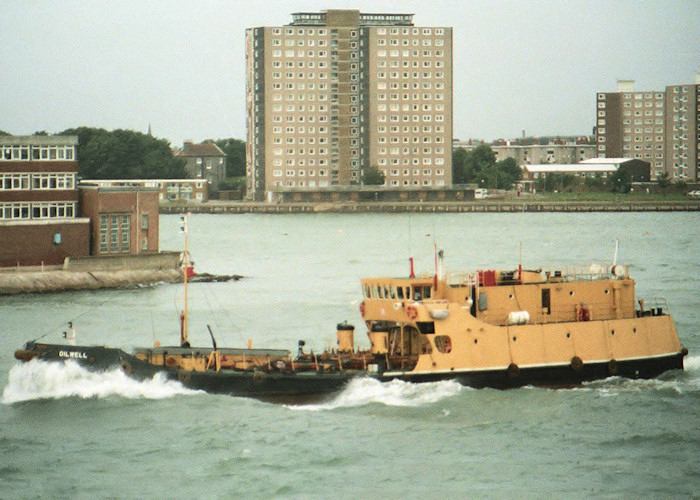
[231,207]
[92,273]
[59,281]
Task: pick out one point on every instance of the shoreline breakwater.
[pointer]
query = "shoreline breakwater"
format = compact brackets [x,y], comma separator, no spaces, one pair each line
[227,207]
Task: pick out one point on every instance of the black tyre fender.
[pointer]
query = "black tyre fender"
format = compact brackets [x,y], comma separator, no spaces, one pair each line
[259,377]
[576,364]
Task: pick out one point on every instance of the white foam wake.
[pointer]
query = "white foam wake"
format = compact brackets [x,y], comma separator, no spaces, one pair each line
[687,381]
[42,380]
[363,391]
[691,364]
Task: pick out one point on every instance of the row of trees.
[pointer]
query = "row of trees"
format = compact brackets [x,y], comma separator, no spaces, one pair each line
[124,154]
[479,166]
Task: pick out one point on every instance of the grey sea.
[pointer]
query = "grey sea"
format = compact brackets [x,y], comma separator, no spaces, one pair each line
[67,433]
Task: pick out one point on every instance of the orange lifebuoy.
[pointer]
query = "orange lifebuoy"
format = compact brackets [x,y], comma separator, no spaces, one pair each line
[412,311]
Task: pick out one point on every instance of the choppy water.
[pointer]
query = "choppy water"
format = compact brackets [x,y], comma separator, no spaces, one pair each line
[68,433]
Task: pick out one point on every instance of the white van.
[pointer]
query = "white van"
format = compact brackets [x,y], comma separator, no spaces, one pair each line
[480,194]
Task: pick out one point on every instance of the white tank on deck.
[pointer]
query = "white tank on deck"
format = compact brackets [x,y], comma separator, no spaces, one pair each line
[518,318]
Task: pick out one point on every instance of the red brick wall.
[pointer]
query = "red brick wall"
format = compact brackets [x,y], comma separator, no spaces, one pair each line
[97,201]
[31,243]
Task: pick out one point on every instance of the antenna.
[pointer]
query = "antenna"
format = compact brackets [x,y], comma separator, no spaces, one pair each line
[186,266]
[617,241]
[410,256]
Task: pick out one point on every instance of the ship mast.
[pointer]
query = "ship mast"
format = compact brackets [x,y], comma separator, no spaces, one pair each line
[186,267]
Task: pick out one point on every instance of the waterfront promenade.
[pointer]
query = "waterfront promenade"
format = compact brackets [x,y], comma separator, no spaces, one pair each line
[240,207]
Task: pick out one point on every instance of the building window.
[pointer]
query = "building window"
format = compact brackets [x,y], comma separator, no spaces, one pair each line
[115,233]
[125,233]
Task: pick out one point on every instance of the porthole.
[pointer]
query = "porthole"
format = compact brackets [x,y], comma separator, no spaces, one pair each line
[510,296]
[612,332]
[606,291]
[571,293]
[568,335]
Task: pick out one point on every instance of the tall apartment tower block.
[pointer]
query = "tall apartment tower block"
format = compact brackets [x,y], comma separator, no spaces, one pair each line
[339,91]
[683,131]
[661,127]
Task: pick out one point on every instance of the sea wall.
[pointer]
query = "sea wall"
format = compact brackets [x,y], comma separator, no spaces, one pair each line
[126,262]
[219,207]
[57,281]
[91,273]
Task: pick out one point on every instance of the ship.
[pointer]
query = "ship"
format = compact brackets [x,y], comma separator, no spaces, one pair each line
[487,328]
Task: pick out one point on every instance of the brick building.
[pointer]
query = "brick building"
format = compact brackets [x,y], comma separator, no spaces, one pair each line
[39,217]
[45,216]
[122,219]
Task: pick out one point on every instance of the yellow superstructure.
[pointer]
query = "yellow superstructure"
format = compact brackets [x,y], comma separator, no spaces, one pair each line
[510,321]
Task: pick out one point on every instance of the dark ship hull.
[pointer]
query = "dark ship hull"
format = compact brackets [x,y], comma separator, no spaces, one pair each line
[298,385]
[268,385]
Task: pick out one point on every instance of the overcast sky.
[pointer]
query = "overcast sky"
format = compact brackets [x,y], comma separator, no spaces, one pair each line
[180,65]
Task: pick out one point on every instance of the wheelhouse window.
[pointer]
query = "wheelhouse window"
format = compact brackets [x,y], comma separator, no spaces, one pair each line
[421,292]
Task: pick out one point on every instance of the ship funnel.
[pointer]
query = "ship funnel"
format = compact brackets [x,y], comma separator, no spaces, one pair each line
[346,337]
[379,341]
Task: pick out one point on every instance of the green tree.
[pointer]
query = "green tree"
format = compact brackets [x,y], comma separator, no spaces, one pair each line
[509,173]
[479,163]
[594,182]
[372,176]
[473,166]
[125,154]
[2,132]
[235,156]
[459,166]
[233,184]
[663,181]
[620,181]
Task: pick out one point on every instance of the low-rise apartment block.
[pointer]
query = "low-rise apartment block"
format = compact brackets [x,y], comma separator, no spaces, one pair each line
[565,151]
[190,190]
